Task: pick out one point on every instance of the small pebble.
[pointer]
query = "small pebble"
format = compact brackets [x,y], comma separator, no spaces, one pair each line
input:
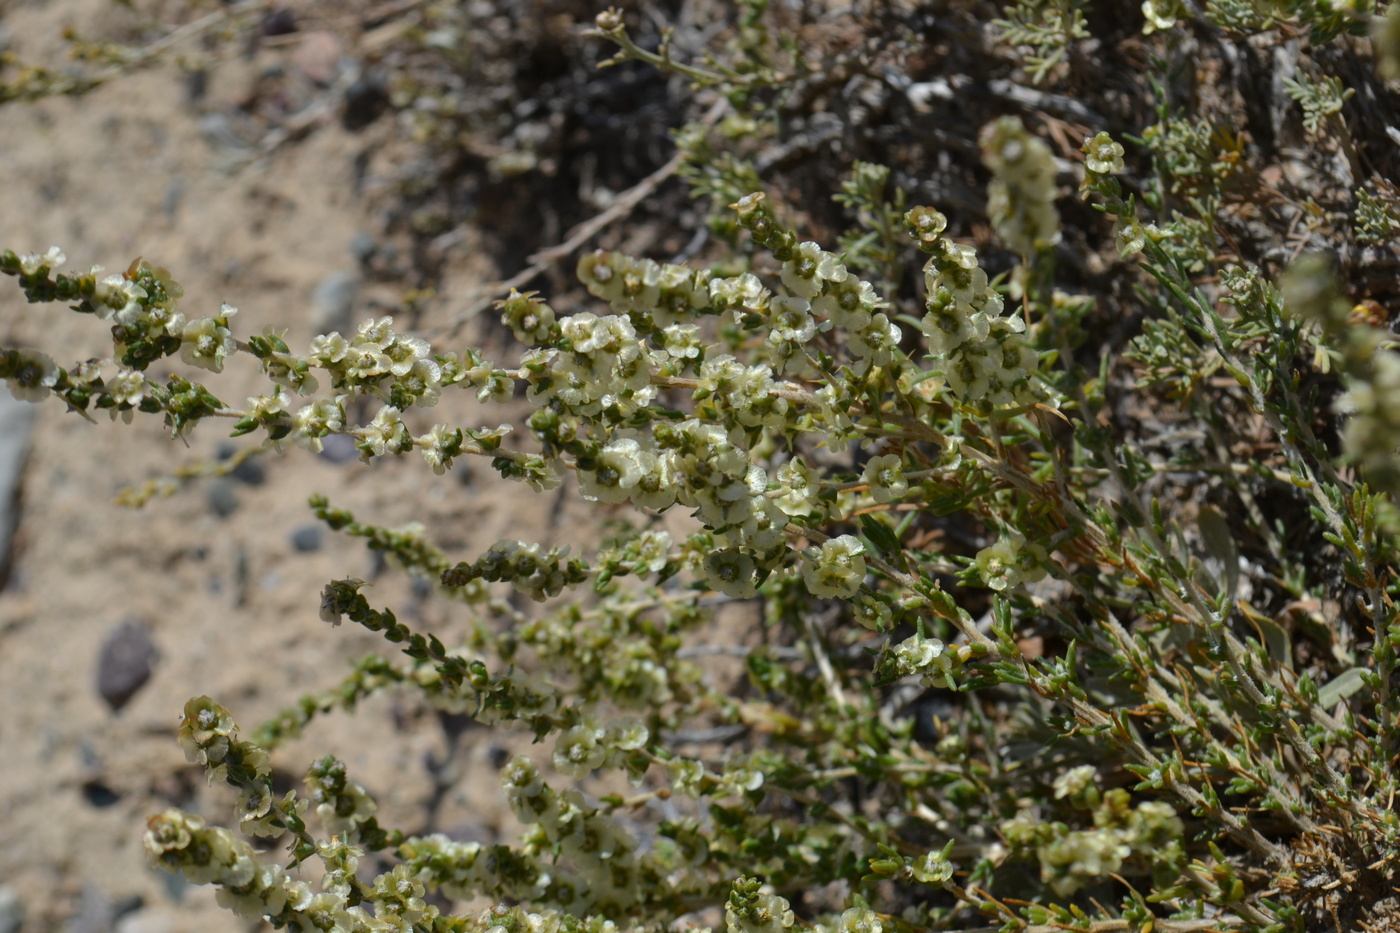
[365,100]
[11,910]
[16,422]
[221,497]
[307,538]
[196,85]
[94,912]
[339,448]
[250,472]
[147,920]
[176,886]
[318,57]
[279,22]
[334,298]
[363,246]
[174,191]
[125,664]
[98,794]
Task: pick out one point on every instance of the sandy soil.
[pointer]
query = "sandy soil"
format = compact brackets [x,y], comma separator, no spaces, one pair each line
[230,604]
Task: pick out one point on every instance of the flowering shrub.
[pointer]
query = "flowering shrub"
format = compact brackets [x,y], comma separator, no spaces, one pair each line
[1033,660]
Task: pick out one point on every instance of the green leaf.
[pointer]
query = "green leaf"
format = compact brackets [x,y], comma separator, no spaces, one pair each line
[1340,687]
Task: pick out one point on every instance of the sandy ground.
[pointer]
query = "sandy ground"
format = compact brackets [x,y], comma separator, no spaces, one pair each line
[230,604]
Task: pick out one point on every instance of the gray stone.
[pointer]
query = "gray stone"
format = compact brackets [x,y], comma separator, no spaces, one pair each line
[339,448]
[307,538]
[16,423]
[363,246]
[250,472]
[94,913]
[128,657]
[146,920]
[221,497]
[11,910]
[334,301]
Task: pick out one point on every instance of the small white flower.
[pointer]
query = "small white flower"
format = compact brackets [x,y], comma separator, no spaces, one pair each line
[31,263]
[601,273]
[439,446]
[367,360]
[617,469]
[207,342]
[378,331]
[629,735]
[732,572]
[328,349]
[860,920]
[1102,154]
[578,753]
[805,273]
[32,375]
[385,434]
[656,485]
[406,352]
[1010,562]
[997,565]
[1130,236]
[741,294]
[126,388]
[876,344]
[885,475]
[791,320]
[836,569]
[969,374]
[423,382]
[1074,781]
[683,291]
[641,287]
[949,324]
[926,658]
[682,341]
[117,297]
[314,421]
[265,407]
[802,485]
[849,302]
[1160,14]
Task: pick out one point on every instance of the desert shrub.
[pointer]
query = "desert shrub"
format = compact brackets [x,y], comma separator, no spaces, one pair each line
[1074,555]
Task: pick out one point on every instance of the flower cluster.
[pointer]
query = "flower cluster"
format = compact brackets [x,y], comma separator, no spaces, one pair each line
[29,374]
[599,365]
[1161,14]
[590,745]
[885,475]
[1071,858]
[528,567]
[836,569]
[207,736]
[652,295]
[1021,196]
[750,909]
[1010,562]
[981,354]
[181,842]
[929,659]
[820,283]
[886,499]
[342,805]
[599,867]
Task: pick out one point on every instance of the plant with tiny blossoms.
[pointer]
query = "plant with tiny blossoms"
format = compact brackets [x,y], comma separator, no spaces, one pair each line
[913,609]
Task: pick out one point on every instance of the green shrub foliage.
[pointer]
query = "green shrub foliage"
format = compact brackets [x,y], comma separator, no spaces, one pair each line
[1074,554]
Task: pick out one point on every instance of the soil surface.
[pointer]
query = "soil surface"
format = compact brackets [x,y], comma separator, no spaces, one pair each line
[225,575]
